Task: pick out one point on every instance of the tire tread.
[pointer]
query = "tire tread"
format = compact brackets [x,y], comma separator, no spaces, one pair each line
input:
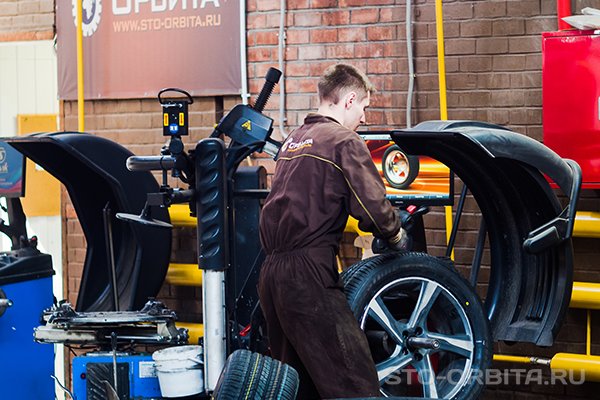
[252,376]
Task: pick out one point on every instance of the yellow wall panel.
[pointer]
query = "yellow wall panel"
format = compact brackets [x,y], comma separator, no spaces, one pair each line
[42,190]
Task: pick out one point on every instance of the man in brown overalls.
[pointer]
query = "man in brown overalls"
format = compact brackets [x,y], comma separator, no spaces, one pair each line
[324,173]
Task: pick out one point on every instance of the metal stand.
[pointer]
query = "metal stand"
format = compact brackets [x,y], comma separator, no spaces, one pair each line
[215,329]
[110,254]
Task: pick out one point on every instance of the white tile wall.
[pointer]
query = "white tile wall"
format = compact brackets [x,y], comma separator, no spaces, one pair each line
[28,82]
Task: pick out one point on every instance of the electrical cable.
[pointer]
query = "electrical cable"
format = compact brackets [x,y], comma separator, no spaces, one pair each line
[281,55]
[411,67]
[62,387]
[248,276]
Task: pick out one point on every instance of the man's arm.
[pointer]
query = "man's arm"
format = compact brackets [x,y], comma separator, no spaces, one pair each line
[367,202]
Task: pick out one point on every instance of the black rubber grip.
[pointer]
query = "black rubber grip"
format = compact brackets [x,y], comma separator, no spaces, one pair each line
[150,163]
[272,77]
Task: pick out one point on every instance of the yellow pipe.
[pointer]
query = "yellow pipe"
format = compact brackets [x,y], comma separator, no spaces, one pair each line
[585,295]
[189,274]
[180,216]
[439,29]
[588,337]
[184,275]
[195,330]
[582,366]
[80,97]
[587,224]
[520,359]
[448,210]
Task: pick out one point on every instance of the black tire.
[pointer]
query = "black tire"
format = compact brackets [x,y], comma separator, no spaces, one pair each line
[399,169]
[252,376]
[389,287]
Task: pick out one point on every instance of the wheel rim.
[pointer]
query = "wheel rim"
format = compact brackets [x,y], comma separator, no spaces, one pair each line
[404,321]
[397,167]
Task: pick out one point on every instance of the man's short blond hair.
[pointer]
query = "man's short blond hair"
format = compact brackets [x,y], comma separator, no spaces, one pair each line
[342,78]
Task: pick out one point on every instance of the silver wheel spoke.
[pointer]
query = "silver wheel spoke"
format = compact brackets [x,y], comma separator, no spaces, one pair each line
[427,296]
[399,166]
[402,167]
[380,313]
[427,377]
[433,304]
[391,365]
[459,344]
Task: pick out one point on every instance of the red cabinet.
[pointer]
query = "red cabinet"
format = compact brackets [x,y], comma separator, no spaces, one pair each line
[571,99]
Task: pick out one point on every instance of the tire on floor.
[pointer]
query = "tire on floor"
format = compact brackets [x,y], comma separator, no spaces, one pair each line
[253,376]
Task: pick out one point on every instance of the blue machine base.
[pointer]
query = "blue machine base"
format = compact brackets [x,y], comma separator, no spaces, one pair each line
[27,366]
[143,383]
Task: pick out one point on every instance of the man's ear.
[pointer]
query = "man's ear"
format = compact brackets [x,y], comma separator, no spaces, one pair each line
[350,99]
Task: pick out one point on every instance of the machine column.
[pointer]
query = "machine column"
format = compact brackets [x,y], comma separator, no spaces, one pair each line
[213,252]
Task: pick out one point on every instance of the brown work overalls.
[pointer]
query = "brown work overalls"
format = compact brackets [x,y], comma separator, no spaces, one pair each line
[324,173]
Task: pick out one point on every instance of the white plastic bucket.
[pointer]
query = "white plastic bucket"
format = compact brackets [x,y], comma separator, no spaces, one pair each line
[179,370]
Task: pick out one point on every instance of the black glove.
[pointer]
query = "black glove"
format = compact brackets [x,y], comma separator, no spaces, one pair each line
[406,220]
[401,242]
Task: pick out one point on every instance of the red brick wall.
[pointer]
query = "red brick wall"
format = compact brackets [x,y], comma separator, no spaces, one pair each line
[493,58]
[26,20]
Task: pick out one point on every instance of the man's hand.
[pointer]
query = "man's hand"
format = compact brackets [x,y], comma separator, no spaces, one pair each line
[401,242]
